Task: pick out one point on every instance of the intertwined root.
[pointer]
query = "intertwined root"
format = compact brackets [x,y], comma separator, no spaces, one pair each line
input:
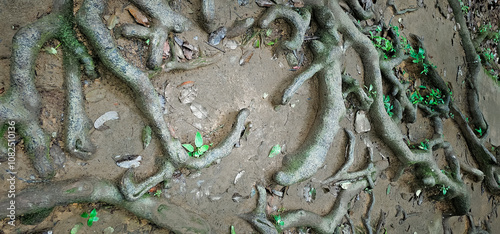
[22,101]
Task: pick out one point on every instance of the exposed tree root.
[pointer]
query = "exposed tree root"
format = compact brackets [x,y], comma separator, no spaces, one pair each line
[165,21]
[158,211]
[299,21]
[310,156]
[22,102]
[322,224]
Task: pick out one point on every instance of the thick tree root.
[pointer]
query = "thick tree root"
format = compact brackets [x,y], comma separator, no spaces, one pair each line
[22,101]
[132,190]
[310,156]
[322,224]
[77,126]
[299,21]
[165,20]
[158,211]
[473,68]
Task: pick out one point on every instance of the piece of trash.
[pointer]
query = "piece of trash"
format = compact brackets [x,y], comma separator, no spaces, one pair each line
[198,110]
[238,176]
[245,58]
[417,193]
[146,136]
[128,161]
[216,36]
[264,3]
[99,122]
[139,17]
[275,150]
[188,94]
[237,197]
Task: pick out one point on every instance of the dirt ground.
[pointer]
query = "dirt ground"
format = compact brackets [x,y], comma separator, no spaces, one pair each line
[223,89]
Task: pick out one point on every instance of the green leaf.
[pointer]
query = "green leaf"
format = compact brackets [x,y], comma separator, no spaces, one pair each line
[146,136]
[203,149]
[196,154]
[275,151]
[84,215]
[89,222]
[93,213]
[75,228]
[188,147]
[198,140]
[95,219]
[232,230]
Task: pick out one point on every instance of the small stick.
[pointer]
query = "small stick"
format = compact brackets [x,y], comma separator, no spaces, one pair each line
[221,50]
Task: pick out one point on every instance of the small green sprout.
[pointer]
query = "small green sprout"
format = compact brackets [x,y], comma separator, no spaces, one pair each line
[51,50]
[423,146]
[371,92]
[488,55]
[157,193]
[388,106]
[444,189]
[257,43]
[279,222]
[480,131]
[232,230]
[92,217]
[271,43]
[200,147]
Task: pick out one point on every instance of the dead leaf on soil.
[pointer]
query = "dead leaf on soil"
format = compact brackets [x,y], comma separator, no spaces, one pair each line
[198,110]
[139,17]
[188,94]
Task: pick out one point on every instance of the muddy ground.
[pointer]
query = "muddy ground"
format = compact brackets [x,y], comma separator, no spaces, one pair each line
[223,89]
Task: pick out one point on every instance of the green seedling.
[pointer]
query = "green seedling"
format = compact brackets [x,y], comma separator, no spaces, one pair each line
[232,230]
[485,28]
[488,55]
[268,32]
[199,147]
[157,193]
[434,98]
[416,98]
[444,189]
[371,92]
[279,222]
[388,106]
[418,57]
[92,217]
[257,43]
[480,131]
[271,43]
[423,146]
[275,150]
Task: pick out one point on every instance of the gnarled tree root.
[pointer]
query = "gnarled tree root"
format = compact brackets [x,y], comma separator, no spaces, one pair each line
[22,101]
[164,21]
[322,224]
[299,22]
[158,211]
[133,191]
